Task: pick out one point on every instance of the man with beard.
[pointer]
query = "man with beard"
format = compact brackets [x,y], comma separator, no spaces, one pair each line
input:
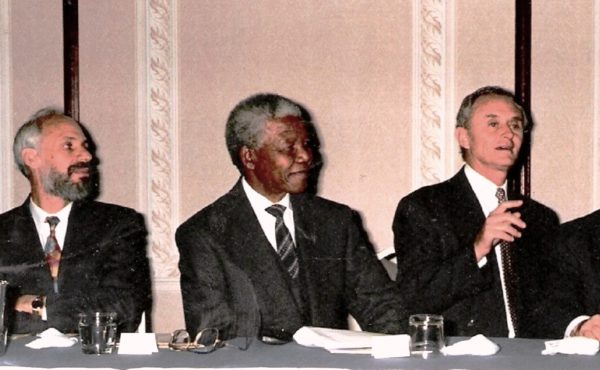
[268,257]
[61,252]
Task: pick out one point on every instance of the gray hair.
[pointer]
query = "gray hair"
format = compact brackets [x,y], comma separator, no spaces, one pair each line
[246,122]
[28,135]
[466,107]
[463,117]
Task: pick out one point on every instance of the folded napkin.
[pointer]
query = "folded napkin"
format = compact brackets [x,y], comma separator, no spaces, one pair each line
[571,346]
[51,338]
[478,345]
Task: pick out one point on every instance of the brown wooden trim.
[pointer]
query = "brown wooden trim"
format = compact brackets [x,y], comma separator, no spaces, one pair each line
[71,57]
[520,177]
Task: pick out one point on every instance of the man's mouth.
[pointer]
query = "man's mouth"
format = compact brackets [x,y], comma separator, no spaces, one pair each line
[299,173]
[508,147]
[82,169]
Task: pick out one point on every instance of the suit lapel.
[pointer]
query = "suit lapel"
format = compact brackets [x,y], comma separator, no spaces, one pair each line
[24,230]
[306,243]
[465,210]
[25,252]
[244,227]
[81,242]
[79,219]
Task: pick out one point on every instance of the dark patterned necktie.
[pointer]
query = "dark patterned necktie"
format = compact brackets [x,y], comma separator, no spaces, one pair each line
[52,250]
[285,243]
[507,269]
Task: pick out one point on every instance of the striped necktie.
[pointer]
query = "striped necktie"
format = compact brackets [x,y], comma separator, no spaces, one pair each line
[52,250]
[507,270]
[285,243]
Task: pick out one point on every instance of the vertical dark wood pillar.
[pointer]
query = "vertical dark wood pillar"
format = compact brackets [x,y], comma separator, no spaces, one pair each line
[71,57]
[520,176]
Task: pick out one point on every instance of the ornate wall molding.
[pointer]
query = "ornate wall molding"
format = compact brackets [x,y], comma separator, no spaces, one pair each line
[433,43]
[6,180]
[596,109]
[158,133]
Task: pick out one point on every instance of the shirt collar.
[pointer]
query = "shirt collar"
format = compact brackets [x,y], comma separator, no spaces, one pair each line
[259,201]
[39,215]
[485,190]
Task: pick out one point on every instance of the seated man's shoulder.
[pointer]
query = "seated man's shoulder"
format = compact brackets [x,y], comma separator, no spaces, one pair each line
[543,212]
[213,217]
[586,225]
[11,214]
[430,196]
[107,210]
[320,206]
[11,220]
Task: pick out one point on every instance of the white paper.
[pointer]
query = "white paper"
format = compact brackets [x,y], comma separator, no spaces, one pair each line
[391,346]
[137,344]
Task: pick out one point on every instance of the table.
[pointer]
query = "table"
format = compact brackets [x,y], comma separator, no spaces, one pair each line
[514,354]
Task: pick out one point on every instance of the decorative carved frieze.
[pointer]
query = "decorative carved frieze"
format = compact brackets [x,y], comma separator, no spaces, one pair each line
[429,92]
[159,64]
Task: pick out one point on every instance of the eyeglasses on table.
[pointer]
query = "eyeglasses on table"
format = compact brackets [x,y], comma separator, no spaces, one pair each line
[206,341]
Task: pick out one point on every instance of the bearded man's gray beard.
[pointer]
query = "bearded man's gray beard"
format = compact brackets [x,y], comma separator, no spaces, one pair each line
[60,185]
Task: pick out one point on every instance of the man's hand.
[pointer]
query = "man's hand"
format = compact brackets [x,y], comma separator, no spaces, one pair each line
[500,225]
[23,303]
[589,328]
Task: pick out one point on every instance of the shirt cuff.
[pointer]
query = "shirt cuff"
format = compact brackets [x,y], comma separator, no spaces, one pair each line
[574,324]
[482,262]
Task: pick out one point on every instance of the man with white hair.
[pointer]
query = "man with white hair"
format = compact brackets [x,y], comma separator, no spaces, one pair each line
[268,257]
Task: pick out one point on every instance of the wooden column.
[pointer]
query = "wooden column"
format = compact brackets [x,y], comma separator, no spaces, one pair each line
[71,57]
[520,176]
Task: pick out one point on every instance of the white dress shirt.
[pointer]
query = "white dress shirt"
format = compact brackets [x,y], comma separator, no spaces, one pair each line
[485,191]
[43,228]
[266,220]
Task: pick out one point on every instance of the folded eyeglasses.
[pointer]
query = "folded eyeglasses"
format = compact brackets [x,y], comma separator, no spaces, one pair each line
[206,341]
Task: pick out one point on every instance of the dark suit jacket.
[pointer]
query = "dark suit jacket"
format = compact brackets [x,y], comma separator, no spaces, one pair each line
[572,279]
[434,232]
[228,269]
[103,266]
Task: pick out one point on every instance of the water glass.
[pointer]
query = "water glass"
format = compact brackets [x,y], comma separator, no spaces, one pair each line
[426,334]
[97,332]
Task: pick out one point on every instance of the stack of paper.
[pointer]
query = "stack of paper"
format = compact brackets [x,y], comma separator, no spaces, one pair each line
[348,341]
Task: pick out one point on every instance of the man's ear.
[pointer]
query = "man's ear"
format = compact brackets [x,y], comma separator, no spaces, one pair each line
[248,157]
[462,137]
[30,157]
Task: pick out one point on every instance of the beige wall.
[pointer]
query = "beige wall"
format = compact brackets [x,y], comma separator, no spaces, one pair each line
[382,79]
[565,102]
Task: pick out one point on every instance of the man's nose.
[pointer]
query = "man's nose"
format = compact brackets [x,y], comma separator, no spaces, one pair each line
[84,155]
[507,130]
[304,154]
